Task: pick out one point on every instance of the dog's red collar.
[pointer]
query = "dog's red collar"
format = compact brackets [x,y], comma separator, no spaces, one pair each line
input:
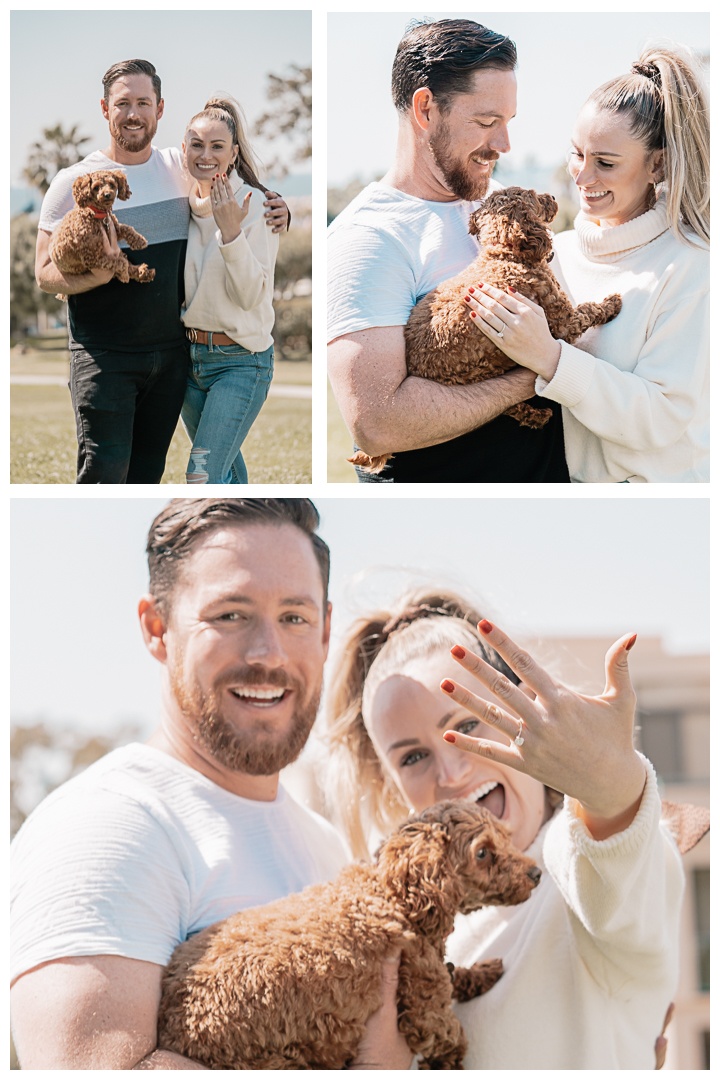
[99,213]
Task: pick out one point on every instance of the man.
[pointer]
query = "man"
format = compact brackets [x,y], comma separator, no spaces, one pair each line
[156,841]
[454,88]
[129,353]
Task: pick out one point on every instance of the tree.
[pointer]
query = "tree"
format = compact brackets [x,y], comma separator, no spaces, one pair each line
[291,118]
[26,299]
[59,150]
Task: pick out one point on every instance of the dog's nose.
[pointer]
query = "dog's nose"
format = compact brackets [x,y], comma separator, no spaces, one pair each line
[534,873]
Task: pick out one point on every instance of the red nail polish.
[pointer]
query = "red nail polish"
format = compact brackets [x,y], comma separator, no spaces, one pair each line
[448,686]
[630,643]
[510,289]
[481,285]
[458,651]
[472,315]
[466,298]
[485,626]
[471,290]
[449,736]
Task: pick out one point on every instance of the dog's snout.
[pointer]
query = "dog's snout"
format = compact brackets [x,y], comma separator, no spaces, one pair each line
[534,873]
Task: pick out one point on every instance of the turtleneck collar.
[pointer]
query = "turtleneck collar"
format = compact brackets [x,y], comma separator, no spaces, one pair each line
[608,242]
[201,208]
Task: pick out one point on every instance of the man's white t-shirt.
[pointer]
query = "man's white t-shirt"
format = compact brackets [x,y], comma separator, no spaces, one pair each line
[387,249]
[141,851]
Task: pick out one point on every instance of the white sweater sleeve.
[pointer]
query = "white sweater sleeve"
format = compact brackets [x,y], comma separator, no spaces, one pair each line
[651,406]
[250,263]
[623,894]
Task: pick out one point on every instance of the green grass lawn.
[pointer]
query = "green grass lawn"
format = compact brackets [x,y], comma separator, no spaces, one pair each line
[339,446]
[43,446]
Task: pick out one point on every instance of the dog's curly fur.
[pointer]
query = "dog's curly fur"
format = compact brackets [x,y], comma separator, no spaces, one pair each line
[76,245]
[292,984]
[441,342]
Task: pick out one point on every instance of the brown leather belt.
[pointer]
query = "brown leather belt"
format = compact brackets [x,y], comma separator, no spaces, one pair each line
[200,337]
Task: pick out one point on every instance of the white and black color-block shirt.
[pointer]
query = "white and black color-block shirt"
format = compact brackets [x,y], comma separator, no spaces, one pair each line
[133,316]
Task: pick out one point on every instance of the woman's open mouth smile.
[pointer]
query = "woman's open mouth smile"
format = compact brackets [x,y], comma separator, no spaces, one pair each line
[491,795]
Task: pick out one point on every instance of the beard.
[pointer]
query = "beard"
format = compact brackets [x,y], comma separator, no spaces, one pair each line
[457,173]
[261,750]
[136,144]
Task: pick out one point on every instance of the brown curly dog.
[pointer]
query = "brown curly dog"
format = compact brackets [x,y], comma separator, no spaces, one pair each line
[76,245]
[292,984]
[441,341]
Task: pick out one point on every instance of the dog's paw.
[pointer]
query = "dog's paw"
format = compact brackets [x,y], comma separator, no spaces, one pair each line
[469,983]
[611,305]
[528,416]
[144,273]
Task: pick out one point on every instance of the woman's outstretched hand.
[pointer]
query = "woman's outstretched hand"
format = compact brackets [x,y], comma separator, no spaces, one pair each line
[580,745]
[228,214]
[526,336]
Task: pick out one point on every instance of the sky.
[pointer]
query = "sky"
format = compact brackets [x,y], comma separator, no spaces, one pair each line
[562,57]
[58,59]
[541,567]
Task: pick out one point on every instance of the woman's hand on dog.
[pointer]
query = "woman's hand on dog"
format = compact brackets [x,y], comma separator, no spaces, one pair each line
[577,744]
[228,214]
[526,338]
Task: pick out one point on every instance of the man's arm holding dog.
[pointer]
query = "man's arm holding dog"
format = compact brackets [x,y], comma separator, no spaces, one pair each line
[52,280]
[90,1012]
[100,1012]
[387,411]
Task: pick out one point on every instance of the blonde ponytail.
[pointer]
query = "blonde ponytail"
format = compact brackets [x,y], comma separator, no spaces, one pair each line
[666,99]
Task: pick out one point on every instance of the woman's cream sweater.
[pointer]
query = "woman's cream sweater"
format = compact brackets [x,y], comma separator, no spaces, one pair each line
[591,959]
[229,287]
[635,391]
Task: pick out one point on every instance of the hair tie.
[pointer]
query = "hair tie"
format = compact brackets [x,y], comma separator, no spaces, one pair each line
[410,615]
[650,71]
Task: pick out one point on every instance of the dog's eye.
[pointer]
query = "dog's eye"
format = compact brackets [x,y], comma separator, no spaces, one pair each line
[481,854]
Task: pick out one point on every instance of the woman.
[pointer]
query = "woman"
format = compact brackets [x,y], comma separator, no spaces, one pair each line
[591,960]
[635,391]
[228,312]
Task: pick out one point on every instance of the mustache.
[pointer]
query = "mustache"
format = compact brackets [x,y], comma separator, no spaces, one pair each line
[257,676]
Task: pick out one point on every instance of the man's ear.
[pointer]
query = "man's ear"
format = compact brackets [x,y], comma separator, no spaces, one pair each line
[421,105]
[160,108]
[154,628]
[104,107]
[326,629]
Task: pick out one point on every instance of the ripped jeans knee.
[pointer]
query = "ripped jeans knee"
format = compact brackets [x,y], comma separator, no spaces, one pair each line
[197,467]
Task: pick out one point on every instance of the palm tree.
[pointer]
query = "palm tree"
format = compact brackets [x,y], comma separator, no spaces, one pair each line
[59,150]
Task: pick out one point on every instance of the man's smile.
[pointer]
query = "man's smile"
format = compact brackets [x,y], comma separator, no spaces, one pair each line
[260,697]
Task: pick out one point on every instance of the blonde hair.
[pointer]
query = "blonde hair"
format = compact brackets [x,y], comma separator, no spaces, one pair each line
[360,796]
[666,98]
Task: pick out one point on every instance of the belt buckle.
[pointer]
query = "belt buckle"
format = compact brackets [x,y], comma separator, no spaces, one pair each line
[192,334]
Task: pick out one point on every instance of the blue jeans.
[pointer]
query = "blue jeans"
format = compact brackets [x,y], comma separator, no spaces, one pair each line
[227,386]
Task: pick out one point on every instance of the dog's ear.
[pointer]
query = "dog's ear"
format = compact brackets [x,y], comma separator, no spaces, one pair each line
[474,223]
[82,189]
[549,207]
[413,862]
[124,191]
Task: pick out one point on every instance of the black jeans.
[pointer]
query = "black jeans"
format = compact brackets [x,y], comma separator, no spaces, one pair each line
[127,406]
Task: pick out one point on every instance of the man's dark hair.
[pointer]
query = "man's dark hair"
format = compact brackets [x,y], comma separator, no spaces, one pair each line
[131,67]
[443,56]
[175,530]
